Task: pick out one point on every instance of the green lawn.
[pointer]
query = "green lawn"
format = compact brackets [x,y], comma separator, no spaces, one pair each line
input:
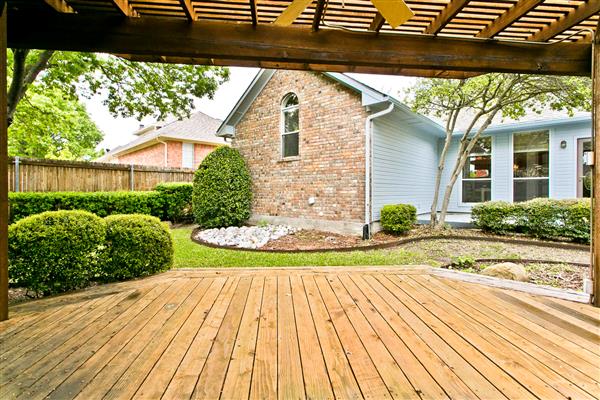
[192,255]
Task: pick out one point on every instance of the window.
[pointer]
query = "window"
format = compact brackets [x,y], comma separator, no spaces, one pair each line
[477,173]
[530,165]
[290,126]
[187,155]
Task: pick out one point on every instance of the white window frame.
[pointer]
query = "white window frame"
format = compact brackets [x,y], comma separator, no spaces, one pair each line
[491,178]
[512,163]
[183,146]
[282,125]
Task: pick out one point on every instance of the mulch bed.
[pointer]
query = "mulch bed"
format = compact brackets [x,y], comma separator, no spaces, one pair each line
[319,240]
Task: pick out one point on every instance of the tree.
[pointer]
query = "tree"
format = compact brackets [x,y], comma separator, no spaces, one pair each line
[48,124]
[479,100]
[129,89]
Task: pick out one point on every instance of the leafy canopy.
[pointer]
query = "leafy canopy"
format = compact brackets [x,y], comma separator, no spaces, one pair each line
[49,125]
[130,89]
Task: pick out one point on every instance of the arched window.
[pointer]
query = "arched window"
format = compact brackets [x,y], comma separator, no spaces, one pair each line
[290,126]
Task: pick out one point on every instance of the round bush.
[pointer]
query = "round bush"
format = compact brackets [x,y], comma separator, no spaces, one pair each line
[398,218]
[55,251]
[222,193]
[137,245]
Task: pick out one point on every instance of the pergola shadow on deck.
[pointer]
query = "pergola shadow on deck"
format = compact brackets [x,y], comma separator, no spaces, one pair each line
[300,333]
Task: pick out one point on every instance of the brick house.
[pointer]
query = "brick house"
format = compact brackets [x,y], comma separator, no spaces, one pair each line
[179,144]
[326,151]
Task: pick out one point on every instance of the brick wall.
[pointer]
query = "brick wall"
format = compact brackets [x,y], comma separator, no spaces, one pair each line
[151,155]
[155,155]
[331,163]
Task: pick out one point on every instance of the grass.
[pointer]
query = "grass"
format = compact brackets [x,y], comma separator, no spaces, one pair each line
[192,255]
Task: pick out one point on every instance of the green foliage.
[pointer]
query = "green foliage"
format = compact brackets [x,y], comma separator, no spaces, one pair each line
[177,199]
[128,89]
[463,262]
[23,204]
[398,218]
[55,251]
[542,218]
[222,190]
[51,125]
[137,245]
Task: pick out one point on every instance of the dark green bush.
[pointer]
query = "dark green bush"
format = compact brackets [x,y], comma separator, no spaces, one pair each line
[136,245]
[55,251]
[177,200]
[542,218]
[102,204]
[222,190]
[398,218]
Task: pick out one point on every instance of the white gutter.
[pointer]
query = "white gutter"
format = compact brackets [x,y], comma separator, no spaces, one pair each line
[368,145]
[166,151]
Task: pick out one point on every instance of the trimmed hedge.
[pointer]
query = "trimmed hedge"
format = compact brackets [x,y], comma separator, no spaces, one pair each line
[542,218]
[177,200]
[136,245]
[222,193]
[398,218]
[55,251]
[170,201]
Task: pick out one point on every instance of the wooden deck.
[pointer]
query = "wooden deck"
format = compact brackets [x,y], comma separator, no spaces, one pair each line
[300,333]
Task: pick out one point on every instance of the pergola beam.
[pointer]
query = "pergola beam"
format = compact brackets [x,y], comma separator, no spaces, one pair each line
[507,18]
[284,46]
[189,11]
[3,171]
[125,8]
[377,22]
[581,13]
[60,6]
[320,7]
[253,12]
[449,12]
[595,273]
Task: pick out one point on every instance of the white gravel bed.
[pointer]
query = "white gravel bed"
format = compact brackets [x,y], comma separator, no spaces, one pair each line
[246,237]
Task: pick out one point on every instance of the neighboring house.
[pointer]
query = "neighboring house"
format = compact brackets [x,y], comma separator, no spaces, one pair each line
[303,136]
[179,144]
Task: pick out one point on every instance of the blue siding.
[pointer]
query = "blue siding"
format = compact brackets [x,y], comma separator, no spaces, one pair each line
[563,162]
[404,164]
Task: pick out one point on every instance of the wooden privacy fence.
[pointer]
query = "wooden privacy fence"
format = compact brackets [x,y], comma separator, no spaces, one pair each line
[32,175]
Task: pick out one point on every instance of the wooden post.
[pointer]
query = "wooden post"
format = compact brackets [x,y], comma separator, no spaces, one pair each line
[596,168]
[3,171]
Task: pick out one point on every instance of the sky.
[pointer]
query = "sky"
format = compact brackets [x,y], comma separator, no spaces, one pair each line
[119,131]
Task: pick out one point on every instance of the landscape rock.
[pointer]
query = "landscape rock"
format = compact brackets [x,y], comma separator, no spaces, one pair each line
[246,237]
[507,270]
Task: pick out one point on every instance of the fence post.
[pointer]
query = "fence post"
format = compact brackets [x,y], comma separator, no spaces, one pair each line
[131,178]
[17,174]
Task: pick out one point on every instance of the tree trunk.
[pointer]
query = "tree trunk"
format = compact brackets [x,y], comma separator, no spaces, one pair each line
[23,76]
[438,179]
[465,150]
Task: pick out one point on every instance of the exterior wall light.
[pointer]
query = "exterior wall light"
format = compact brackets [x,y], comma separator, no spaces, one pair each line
[563,144]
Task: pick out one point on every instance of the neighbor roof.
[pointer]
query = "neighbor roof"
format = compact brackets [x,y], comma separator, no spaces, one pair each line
[198,128]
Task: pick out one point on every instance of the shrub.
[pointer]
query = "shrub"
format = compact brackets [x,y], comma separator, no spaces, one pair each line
[398,218]
[177,200]
[136,245]
[542,218]
[99,203]
[222,190]
[55,251]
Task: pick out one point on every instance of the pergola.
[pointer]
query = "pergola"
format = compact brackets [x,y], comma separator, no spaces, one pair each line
[445,38]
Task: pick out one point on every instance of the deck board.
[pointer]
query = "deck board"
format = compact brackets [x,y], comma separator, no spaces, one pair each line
[300,333]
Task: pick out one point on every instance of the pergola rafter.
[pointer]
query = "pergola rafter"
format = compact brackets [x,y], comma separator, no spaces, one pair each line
[125,8]
[581,13]
[444,17]
[449,39]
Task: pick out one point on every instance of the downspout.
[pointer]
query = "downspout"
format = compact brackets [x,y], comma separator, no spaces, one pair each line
[368,145]
[166,152]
